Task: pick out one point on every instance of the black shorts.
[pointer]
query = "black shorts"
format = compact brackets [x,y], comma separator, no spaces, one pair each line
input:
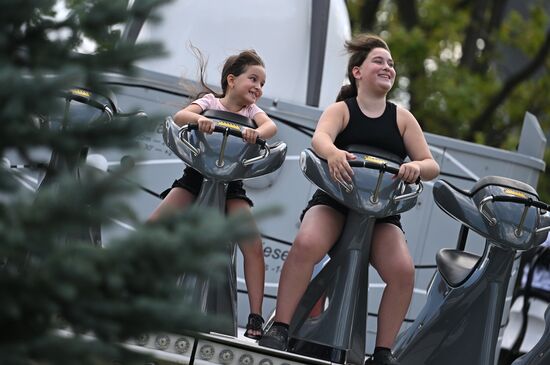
[192,182]
[322,198]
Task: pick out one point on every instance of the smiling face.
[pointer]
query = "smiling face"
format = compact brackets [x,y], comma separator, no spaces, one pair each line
[246,88]
[377,72]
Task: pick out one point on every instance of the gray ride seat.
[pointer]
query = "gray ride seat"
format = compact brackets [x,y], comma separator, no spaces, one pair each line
[337,333]
[467,297]
[220,159]
[77,107]
[455,265]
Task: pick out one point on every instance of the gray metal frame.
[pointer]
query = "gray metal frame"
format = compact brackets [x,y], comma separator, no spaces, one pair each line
[320,10]
[540,354]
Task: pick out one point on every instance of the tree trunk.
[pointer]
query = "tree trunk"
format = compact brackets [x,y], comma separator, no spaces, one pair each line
[496,16]
[473,33]
[368,14]
[509,86]
[408,13]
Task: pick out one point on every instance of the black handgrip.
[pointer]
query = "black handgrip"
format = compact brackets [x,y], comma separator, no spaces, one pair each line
[234,132]
[525,201]
[377,166]
[373,165]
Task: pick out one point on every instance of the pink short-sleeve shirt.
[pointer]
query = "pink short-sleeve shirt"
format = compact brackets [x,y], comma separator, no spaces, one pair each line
[209,101]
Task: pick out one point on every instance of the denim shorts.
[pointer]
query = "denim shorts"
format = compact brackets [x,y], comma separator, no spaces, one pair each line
[322,198]
[192,182]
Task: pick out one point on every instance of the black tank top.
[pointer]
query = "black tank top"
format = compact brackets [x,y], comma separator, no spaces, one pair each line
[381,132]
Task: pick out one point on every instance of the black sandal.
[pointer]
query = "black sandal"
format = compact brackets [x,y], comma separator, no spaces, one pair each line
[255,323]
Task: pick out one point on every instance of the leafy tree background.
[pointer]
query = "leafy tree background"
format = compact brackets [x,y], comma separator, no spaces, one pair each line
[51,278]
[468,69]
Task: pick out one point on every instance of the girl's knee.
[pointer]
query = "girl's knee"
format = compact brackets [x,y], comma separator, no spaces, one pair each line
[305,248]
[402,275]
[238,206]
[397,272]
[252,250]
[408,276]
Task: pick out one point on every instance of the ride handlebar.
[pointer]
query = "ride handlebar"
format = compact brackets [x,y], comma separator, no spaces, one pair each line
[87,97]
[234,132]
[226,131]
[90,98]
[527,202]
[378,166]
[383,168]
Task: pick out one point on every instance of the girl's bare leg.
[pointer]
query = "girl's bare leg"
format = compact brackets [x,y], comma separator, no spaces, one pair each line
[254,266]
[318,232]
[177,198]
[390,257]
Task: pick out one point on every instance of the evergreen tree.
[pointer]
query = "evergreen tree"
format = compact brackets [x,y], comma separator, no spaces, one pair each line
[51,275]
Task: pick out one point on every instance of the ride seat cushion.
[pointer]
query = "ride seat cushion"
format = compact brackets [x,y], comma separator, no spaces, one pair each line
[455,265]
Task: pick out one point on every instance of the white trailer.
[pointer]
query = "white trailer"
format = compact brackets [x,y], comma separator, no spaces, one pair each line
[302,44]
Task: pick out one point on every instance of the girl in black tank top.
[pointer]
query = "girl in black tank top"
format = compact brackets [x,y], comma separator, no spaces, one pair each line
[371,75]
[381,132]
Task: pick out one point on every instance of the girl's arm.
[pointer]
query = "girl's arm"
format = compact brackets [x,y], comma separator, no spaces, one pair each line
[330,124]
[266,128]
[422,162]
[191,114]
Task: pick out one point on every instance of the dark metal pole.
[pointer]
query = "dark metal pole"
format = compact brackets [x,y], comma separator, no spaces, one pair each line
[134,25]
[318,43]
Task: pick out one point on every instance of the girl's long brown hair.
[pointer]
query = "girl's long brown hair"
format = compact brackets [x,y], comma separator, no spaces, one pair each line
[359,47]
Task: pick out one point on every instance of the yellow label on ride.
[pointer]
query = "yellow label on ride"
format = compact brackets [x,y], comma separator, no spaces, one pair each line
[80,92]
[375,160]
[515,193]
[229,125]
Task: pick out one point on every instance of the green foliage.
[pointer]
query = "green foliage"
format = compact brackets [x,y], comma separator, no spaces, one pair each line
[51,277]
[452,94]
